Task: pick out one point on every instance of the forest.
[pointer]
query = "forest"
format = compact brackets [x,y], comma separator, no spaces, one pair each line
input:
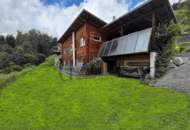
[24,50]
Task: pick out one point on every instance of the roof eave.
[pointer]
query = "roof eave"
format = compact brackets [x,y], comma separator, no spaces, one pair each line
[61,39]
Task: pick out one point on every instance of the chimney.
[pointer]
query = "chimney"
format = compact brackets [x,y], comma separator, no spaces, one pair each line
[114,18]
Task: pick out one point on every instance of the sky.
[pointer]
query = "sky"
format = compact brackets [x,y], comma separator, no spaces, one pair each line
[55,16]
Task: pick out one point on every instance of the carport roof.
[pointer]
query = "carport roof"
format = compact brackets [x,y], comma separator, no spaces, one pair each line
[141,16]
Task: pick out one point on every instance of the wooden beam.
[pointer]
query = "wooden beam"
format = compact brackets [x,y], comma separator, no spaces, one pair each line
[153,20]
[121,31]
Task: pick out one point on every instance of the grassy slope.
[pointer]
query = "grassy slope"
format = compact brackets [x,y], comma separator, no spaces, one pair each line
[45,99]
[183,16]
[5,79]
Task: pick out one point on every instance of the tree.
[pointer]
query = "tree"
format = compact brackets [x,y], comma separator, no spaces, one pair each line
[33,37]
[4,60]
[19,38]
[10,40]
[27,47]
[44,43]
[2,39]
[165,45]
[6,48]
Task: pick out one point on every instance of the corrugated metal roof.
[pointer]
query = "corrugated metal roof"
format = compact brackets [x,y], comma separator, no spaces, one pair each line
[141,17]
[129,44]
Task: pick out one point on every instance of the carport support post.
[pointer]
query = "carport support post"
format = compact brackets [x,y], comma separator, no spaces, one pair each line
[104,68]
[152,64]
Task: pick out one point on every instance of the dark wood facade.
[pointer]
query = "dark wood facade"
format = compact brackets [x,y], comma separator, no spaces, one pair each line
[83,53]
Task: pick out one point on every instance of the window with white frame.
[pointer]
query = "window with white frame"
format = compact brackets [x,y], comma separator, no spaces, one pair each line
[82,42]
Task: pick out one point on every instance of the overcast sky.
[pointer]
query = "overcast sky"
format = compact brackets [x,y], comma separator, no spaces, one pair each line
[54,16]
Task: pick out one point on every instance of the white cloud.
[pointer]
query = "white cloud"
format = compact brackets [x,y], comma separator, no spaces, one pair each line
[175,1]
[27,14]
[106,9]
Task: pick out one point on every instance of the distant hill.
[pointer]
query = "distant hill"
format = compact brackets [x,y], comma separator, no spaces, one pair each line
[182,11]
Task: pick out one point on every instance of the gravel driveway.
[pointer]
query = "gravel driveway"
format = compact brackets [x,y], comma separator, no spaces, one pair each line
[178,78]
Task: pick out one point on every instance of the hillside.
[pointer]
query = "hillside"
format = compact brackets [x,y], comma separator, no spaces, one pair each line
[45,99]
[182,11]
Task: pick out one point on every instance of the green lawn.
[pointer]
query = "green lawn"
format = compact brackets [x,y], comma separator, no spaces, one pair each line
[44,99]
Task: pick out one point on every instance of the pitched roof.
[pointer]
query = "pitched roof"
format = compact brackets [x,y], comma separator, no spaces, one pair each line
[138,18]
[82,18]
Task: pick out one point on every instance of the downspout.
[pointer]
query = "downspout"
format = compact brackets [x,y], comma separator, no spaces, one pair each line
[73,49]
[87,43]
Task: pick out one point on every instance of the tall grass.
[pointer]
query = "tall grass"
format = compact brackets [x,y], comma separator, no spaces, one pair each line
[5,79]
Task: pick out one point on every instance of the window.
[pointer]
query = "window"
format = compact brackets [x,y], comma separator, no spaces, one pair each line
[97,38]
[82,42]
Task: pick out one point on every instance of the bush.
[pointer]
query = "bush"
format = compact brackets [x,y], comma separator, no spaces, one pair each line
[28,65]
[49,61]
[12,68]
[30,58]
[188,50]
[178,48]
[41,57]
[94,66]
[164,58]
[4,60]
[165,37]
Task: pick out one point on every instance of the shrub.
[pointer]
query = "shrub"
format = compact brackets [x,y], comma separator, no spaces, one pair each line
[94,66]
[12,68]
[41,57]
[164,58]
[178,48]
[30,58]
[188,50]
[5,60]
[165,37]
[28,65]
[49,61]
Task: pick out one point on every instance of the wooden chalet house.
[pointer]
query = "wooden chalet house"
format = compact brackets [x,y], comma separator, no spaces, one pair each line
[125,42]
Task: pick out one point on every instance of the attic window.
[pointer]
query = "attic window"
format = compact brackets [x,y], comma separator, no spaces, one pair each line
[97,38]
